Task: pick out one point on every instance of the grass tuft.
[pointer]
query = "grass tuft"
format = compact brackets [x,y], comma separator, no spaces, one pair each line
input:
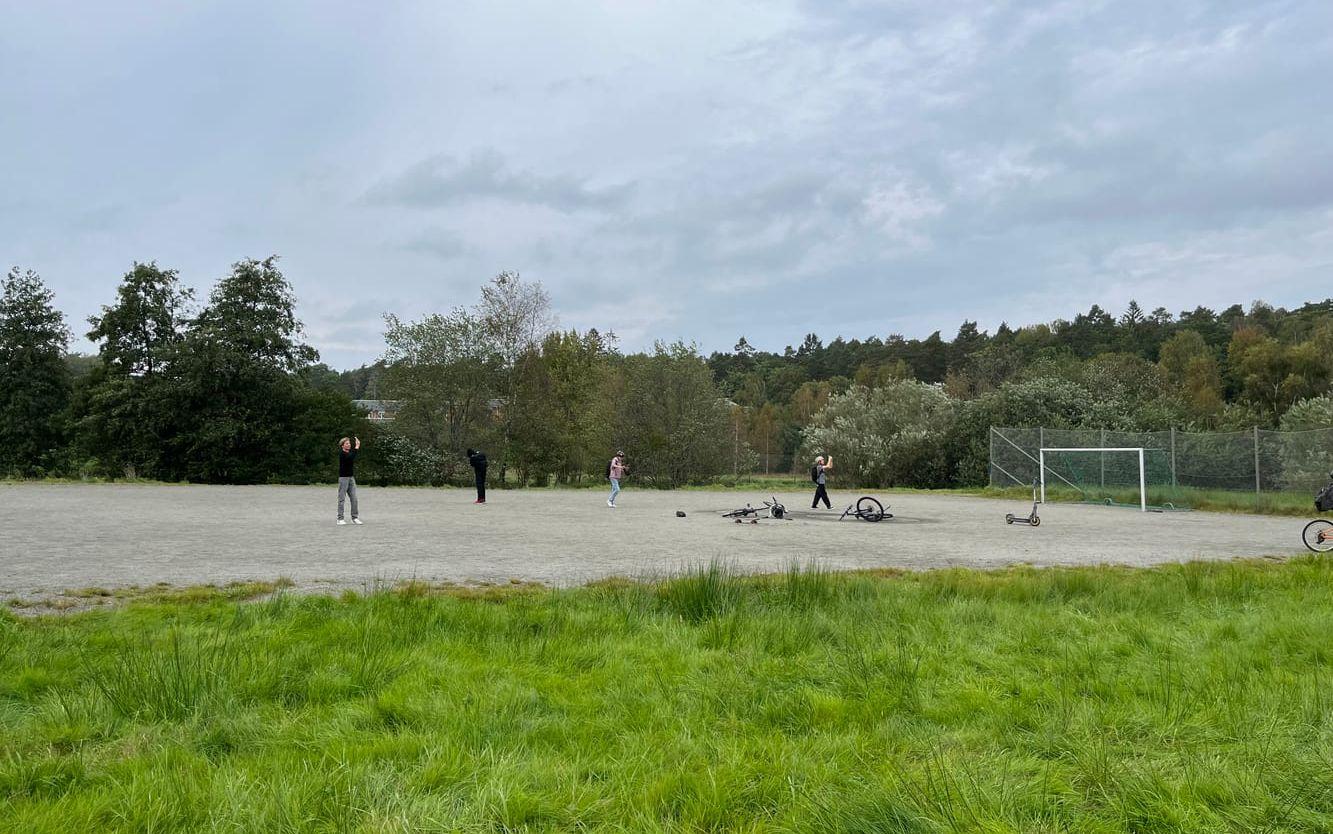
[702,592]
[163,680]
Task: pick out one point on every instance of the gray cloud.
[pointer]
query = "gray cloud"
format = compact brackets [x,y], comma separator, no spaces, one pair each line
[698,169]
[442,181]
[439,243]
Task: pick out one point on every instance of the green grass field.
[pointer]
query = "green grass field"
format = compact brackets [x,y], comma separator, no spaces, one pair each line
[1189,698]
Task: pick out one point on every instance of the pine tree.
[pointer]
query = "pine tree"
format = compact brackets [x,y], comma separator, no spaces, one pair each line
[34,381]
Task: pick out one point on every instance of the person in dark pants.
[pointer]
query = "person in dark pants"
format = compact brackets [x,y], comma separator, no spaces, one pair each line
[478,460]
[817,475]
[347,476]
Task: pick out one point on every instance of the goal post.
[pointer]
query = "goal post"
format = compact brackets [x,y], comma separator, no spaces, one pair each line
[1138,450]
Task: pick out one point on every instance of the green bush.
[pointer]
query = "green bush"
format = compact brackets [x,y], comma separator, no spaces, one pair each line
[894,435]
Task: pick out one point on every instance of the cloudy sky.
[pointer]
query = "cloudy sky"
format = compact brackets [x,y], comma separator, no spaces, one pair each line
[694,170]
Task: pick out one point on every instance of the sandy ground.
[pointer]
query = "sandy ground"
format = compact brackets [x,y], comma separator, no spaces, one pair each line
[69,536]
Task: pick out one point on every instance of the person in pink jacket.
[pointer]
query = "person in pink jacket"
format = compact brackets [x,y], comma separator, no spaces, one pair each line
[615,472]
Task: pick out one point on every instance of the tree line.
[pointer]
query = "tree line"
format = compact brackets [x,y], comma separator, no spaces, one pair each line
[916,412]
[213,393]
[227,390]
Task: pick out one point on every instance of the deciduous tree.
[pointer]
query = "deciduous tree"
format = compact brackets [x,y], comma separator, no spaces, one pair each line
[446,372]
[121,405]
[671,418]
[515,316]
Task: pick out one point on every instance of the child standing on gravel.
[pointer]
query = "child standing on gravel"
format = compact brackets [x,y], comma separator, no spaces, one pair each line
[615,471]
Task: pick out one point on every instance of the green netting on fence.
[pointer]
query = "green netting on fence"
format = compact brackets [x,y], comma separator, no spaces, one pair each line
[1176,463]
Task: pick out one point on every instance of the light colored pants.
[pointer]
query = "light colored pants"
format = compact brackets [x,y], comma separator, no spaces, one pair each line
[346,489]
[615,490]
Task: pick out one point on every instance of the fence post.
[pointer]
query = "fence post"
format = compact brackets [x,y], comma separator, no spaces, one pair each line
[1173,457]
[1256,460]
[990,468]
[1041,460]
[1103,457]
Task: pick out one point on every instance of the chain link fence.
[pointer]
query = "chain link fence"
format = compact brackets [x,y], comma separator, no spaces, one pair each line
[1257,460]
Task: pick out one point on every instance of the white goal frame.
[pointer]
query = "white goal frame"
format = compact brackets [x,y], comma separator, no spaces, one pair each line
[1143,481]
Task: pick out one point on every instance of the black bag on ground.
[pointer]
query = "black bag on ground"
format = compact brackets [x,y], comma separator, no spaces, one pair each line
[1323,499]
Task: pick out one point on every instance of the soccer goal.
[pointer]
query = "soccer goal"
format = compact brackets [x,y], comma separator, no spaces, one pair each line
[1055,454]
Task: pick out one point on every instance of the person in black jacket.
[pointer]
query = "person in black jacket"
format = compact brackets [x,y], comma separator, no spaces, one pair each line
[477,458]
[818,474]
[346,476]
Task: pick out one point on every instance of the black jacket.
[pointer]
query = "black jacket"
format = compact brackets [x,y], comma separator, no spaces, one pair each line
[478,460]
[346,460]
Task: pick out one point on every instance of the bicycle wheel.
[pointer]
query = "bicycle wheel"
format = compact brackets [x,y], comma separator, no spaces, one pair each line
[1318,535]
[869,509]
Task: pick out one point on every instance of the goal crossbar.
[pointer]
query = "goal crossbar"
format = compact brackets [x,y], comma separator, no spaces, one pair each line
[1143,481]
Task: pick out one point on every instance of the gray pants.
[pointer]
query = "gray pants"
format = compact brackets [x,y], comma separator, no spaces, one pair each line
[346,488]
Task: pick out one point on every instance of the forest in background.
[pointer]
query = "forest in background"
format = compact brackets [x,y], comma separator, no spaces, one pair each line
[227,390]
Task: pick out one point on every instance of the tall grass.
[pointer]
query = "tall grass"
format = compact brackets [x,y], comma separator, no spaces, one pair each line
[161,680]
[1185,698]
[702,592]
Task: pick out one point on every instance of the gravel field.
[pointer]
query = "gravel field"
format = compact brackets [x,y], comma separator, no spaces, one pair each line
[72,536]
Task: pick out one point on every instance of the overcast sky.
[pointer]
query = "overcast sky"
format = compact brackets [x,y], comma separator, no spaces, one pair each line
[695,170]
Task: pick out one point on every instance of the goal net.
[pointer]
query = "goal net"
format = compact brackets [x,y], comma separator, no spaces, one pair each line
[1112,475]
[1180,469]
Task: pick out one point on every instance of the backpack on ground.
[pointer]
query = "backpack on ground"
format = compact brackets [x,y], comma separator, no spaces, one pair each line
[1323,499]
[814,474]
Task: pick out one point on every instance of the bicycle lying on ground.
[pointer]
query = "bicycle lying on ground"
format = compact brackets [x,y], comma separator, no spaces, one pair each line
[866,509]
[771,509]
[1318,534]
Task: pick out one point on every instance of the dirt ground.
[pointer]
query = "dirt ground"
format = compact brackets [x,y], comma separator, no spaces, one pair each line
[62,537]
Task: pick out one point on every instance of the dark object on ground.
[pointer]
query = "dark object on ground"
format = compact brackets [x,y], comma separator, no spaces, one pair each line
[1032,519]
[1323,499]
[866,509]
[680,513]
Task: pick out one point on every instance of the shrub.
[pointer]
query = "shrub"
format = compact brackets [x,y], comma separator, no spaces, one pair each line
[894,435]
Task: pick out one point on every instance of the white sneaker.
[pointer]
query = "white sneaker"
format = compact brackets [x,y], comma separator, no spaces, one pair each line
[341,522]
[356,521]
[611,504]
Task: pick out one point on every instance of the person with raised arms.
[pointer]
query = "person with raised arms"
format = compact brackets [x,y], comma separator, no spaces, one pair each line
[819,474]
[346,476]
